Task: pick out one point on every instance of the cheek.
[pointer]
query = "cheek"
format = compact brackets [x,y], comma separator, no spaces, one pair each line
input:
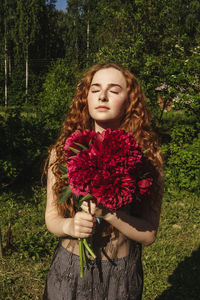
[90,103]
[91,98]
[119,105]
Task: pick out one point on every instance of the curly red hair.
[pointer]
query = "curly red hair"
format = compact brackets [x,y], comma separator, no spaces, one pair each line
[136,119]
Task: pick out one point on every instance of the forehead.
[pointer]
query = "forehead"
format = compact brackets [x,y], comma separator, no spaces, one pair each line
[109,76]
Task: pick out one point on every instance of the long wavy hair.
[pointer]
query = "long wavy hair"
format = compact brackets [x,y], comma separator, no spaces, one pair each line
[136,119]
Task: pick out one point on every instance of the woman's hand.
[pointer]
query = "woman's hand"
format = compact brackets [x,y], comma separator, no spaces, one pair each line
[93,209]
[82,225]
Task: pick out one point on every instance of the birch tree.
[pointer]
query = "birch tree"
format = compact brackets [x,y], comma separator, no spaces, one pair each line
[28,27]
[7,14]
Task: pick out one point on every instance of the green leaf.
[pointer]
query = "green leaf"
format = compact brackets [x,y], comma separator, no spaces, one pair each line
[145,151]
[62,168]
[63,176]
[71,157]
[81,146]
[65,194]
[74,150]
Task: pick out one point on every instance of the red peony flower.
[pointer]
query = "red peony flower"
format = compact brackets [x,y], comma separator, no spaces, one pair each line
[80,170]
[144,185]
[108,169]
[113,192]
[82,137]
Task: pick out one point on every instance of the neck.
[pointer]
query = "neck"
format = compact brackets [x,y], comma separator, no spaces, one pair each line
[99,127]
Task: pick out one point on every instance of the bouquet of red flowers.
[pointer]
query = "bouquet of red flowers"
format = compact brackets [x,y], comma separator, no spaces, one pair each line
[105,167]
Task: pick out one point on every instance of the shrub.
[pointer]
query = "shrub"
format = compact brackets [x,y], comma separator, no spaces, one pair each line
[24,143]
[57,94]
[183,164]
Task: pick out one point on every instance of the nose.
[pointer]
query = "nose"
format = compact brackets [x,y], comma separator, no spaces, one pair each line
[103,96]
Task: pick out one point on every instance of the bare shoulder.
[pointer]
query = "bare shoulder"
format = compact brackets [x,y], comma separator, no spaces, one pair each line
[52,156]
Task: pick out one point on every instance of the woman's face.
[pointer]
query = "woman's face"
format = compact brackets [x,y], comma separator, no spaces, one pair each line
[106,98]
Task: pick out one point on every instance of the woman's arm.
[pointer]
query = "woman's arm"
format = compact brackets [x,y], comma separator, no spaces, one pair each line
[142,230]
[80,226]
[138,229]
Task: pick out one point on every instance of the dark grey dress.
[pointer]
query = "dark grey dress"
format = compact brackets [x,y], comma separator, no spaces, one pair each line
[107,279]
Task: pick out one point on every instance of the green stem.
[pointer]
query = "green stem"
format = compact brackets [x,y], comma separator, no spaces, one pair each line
[88,248]
[80,241]
[85,258]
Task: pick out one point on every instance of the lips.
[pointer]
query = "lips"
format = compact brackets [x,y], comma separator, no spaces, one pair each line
[102,107]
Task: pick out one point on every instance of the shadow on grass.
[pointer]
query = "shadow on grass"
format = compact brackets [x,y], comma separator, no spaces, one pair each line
[185,281]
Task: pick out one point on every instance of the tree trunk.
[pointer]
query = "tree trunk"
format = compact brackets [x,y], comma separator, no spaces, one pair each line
[27,74]
[6,74]
[9,66]
[88,36]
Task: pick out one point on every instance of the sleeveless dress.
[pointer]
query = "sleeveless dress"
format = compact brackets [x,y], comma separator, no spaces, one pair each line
[116,273]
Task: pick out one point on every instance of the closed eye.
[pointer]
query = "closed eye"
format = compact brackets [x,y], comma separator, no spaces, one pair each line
[95,91]
[114,92]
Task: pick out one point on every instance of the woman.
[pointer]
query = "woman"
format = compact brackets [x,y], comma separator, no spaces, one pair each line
[108,96]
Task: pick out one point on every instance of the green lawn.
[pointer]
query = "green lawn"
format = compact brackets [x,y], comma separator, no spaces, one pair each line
[171,264]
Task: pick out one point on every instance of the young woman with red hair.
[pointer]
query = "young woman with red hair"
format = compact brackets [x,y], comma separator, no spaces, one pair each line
[108,96]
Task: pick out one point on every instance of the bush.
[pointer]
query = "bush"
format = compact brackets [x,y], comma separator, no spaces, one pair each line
[183,164]
[24,144]
[26,135]
[57,94]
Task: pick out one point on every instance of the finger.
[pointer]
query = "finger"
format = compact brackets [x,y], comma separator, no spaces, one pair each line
[83,229]
[84,224]
[84,216]
[85,203]
[84,206]
[80,231]
[92,206]
[87,216]
[84,235]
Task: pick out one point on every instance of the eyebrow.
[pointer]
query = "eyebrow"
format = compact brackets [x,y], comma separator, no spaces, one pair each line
[109,85]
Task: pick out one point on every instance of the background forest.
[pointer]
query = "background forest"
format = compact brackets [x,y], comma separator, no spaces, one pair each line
[43,54]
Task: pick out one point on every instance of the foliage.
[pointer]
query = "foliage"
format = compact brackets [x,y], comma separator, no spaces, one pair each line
[57,94]
[22,152]
[183,165]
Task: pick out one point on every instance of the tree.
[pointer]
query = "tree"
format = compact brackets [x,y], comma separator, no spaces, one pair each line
[28,27]
[7,13]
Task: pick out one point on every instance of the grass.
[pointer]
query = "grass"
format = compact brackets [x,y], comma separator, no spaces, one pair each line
[171,264]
